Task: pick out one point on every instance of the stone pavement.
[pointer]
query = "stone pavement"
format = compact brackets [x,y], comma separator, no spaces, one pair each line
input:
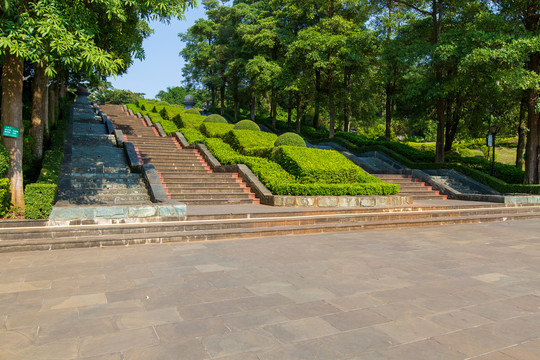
[454,292]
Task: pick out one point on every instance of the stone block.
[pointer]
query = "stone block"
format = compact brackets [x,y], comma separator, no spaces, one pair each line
[172,210]
[142,211]
[304,201]
[147,120]
[130,112]
[66,213]
[327,201]
[111,212]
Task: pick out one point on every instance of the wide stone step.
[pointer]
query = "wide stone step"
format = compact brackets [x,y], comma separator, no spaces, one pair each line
[109,185]
[110,199]
[211,196]
[177,190]
[87,191]
[428,197]
[206,202]
[217,182]
[91,236]
[175,175]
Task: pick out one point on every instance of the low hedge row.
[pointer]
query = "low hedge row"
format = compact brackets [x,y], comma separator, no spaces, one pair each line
[316,165]
[4,196]
[193,136]
[244,139]
[215,129]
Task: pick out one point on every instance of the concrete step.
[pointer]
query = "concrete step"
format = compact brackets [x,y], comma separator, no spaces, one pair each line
[33,238]
[178,190]
[88,191]
[211,196]
[227,201]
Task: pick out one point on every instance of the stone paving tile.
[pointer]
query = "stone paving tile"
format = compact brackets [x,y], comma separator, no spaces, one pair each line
[251,319]
[355,319]
[457,320]
[148,318]
[191,349]
[528,350]
[238,342]
[170,333]
[61,349]
[421,350]
[412,329]
[308,309]
[354,302]
[297,330]
[117,342]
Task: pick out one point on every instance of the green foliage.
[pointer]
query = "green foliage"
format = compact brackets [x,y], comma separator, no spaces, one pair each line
[4,160]
[4,196]
[50,168]
[215,118]
[245,139]
[193,136]
[216,129]
[191,121]
[315,165]
[247,125]
[134,108]
[114,96]
[193,111]
[314,134]
[290,139]
[39,199]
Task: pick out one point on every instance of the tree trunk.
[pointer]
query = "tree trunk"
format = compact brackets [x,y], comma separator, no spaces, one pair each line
[531,152]
[253,108]
[39,110]
[213,92]
[331,104]
[347,111]
[62,90]
[298,113]
[222,99]
[316,116]
[522,132]
[235,99]
[439,146]
[452,127]
[289,109]
[52,106]
[389,109]
[11,115]
[273,107]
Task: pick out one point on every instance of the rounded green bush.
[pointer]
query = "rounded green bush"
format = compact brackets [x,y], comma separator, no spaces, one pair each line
[192,111]
[246,125]
[290,139]
[215,118]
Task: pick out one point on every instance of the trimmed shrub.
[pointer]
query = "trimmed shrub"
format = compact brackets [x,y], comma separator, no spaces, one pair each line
[193,136]
[247,125]
[4,196]
[244,139]
[215,118]
[216,129]
[191,121]
[315,165]
[38,200]
[290,139]
[280,182]
[5,160]
[192,111]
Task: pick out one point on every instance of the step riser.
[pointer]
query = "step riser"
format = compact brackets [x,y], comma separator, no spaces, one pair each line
[153,239]
[178,227]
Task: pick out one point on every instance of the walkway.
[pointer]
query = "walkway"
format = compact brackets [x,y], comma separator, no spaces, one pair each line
[457,292]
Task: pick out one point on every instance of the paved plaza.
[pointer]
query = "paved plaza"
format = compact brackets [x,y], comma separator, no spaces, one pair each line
[455,292]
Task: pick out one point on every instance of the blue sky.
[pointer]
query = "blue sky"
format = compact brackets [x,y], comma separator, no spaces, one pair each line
[162,67]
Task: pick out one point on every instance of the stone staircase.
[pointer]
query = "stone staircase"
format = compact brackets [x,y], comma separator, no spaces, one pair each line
[254,222]
[99,171]
[184,173]
[455,184]
[412,187]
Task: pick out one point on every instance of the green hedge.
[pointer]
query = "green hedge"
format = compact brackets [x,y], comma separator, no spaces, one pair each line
[247,125]
[191,121]
[193,136]
[5,160]
[39,200]
[290,139]
[4,196]
[216,129]
[280,182]
[245,139]
[316,165]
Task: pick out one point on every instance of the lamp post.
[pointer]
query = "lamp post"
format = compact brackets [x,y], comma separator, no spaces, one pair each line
[493,130]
